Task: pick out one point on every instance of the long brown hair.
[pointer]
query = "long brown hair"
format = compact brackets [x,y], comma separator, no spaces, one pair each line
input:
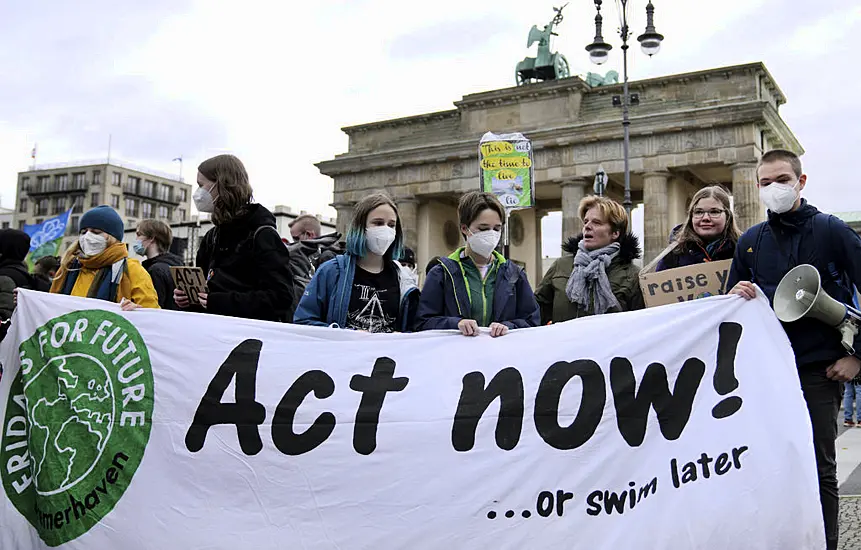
[233,192]
[356,242]
[688,236]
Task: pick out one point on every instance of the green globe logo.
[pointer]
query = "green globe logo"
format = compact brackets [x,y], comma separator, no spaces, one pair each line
[77,422]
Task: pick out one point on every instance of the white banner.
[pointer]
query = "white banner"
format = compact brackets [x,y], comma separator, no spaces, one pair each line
[657,429]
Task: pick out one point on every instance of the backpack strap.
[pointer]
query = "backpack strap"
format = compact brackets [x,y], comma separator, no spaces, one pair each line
[253,237]
[823,241]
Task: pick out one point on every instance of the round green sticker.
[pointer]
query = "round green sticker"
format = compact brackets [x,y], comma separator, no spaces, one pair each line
[77,422]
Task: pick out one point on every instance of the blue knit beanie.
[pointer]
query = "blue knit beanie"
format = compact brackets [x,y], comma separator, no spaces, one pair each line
[105,219]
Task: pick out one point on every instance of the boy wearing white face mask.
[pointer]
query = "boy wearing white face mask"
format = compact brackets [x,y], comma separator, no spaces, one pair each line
[476,286]
[98,265]
[365,289]
[797,233]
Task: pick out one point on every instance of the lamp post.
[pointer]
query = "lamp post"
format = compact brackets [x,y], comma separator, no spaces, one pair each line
[600,181]
[599,52]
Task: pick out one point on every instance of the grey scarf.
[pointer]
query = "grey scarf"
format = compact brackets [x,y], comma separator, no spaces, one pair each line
[588,285]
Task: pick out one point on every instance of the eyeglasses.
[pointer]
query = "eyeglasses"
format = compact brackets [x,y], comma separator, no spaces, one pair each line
[713,213]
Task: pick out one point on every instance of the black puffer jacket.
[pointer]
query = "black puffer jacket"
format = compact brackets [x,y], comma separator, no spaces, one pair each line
[158,268]
[14,246]
[247,268]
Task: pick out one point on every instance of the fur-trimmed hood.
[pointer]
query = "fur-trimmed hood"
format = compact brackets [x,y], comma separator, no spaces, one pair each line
[629,249]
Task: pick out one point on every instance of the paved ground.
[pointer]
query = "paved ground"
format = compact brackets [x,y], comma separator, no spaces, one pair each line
[850,523]
[849,477]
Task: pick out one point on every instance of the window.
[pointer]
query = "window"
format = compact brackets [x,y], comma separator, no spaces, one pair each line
[78,181]
[115,202]
[78,204]
[5,225]
[164,192]
[25,184]
[183,194]
[146,210]
[94,200]
[61,182]
[42,185]
[21,224]
[59,205]
[22,206]
[116,178]
[148,188]
[180,214]
[73,224]
[41,208]
[97,177]
[38,221]
[131,207]
[163,213]
[132,184]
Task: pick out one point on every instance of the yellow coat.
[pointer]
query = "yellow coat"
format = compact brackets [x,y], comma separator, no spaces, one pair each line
[136,285]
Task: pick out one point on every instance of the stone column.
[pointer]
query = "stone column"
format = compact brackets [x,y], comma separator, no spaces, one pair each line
[677,202]
[656,214]
[345,216]
[746,205]
[408,212]
[573,191]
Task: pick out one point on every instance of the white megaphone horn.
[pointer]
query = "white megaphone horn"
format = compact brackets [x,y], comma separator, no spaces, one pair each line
[800,294]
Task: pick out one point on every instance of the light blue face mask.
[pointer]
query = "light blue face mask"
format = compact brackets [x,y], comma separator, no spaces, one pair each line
[139,248]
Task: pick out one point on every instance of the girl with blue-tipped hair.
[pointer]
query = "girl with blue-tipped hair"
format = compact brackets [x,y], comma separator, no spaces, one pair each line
[366,288]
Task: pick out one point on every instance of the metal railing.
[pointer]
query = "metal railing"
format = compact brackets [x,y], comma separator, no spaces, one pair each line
[102,162]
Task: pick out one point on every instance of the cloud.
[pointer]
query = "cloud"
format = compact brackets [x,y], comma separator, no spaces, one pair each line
[449,38]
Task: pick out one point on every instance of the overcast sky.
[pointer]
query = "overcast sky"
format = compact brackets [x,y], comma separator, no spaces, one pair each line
[273,82]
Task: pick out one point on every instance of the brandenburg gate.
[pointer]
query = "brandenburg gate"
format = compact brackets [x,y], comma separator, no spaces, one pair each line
[688,131]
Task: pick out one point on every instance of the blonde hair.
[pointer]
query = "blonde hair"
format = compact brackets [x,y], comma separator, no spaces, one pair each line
[730,231]
[613,212]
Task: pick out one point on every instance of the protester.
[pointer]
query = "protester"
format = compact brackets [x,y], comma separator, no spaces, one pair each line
[14,246]
[364,289]
[243,258]
[153,243]
[98,265]
[431,264]
[709,234]
[409,259]
[307,248]
[44,271]
[797,233]
[476,286]
[596,274]
[852,402]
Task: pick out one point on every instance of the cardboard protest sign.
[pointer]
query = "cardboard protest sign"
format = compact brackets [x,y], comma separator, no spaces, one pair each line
[505,163]
[190,280]
[157,429]
[685,283]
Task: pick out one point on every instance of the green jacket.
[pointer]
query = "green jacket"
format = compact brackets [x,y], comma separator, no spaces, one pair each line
[622,273]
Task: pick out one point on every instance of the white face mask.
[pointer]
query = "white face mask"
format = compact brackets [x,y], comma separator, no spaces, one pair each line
[484,242]
[779,197]
[380,238]
[203,200]
[92,244]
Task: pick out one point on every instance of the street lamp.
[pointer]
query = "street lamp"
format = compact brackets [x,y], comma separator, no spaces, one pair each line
[600,181]
[599,52]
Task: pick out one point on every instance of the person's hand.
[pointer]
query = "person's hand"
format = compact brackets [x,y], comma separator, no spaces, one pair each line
[844,369]
[128,305]
[468,327]
[203,297]
[498,329]
[180,298]
[745,289]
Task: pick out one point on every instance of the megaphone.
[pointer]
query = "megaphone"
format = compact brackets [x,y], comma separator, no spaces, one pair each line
[800,295]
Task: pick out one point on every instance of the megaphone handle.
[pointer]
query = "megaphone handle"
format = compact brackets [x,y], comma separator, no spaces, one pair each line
[849,330]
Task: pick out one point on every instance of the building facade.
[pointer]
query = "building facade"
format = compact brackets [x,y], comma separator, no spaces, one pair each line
[136,193]
[688,131]
[187,235]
